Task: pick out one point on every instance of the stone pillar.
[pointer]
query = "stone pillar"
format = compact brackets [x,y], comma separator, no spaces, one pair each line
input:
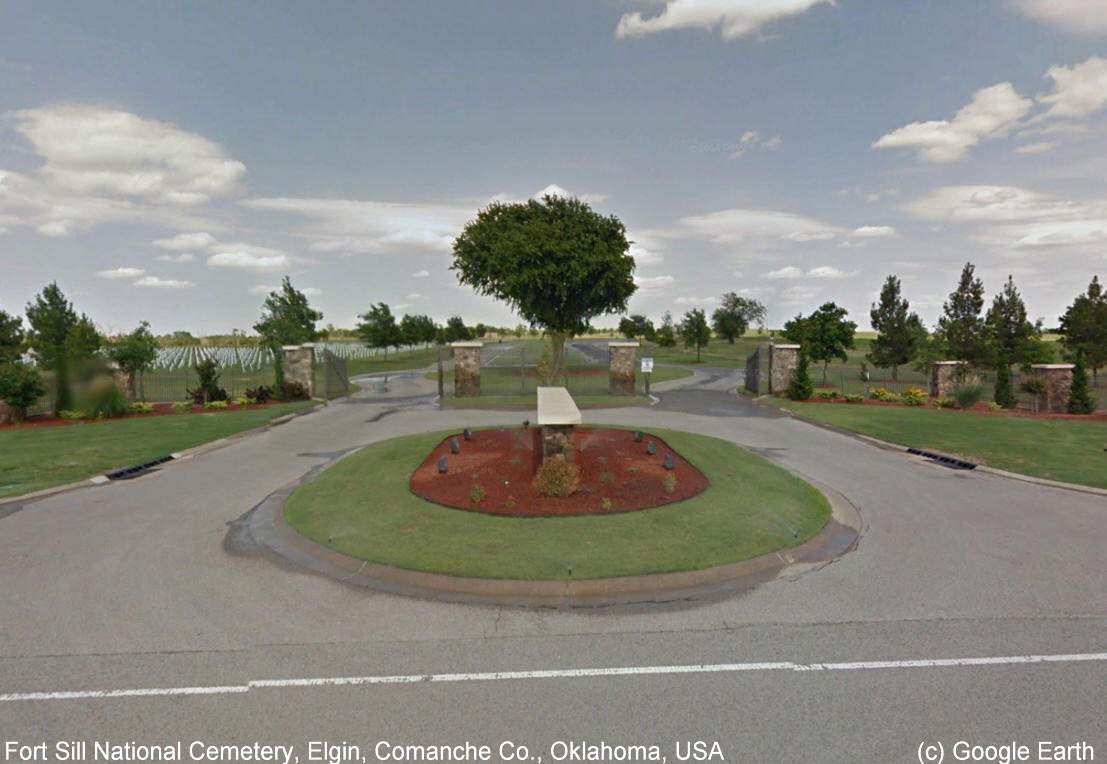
[943,378]
[558,439]
[467,369]
[7,413]
[783,360]
[1058,383]
[299,366]
[622,357]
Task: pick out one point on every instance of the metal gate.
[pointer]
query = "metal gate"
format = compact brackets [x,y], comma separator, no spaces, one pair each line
[753,372]
[336,382]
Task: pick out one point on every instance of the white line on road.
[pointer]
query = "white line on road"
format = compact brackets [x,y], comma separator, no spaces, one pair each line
[710,668]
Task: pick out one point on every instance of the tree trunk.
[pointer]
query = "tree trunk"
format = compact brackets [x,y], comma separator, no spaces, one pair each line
[895,373]
[825,364]
[558,366]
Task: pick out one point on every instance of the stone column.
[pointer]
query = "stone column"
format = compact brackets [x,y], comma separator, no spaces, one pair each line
[1058,383]
[7,413]
[299,366]
[622,357]
[467,369]
[558,439]
[783,360]
[943,378]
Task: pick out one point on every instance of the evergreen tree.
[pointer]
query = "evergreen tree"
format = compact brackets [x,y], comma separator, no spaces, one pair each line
[899,333]
[286,319]
[960,326]
[800,387]
[1084,327]
[1081,400]
[1005,394]
[1013,336]
[51,318]
[11,337]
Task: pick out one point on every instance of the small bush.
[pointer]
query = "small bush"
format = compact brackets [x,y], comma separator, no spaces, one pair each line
[854,397]
[20,386]
[182,407]
[669,483]
[800,386]
[103,399]
[994,407]
[217,405]
[968,393]
[914,396]
[557,477]
[1081,400]
[606,477]
[880,394]
[606,505]
[944,403]
[245,401]
[208,390]
[142,408]
[510,503]
[294,391]
[477,493]
[827,395]
[261,393]
[72,414]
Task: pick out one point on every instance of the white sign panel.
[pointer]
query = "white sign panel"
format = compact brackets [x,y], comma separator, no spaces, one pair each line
[647,365]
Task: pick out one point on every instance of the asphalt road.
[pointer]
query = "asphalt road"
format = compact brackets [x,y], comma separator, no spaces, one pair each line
[128,586]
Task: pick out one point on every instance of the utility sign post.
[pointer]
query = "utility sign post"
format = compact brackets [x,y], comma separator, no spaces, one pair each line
[647,369]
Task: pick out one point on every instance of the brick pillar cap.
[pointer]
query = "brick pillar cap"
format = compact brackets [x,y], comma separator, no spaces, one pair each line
[291,347]
[466,344]
[1052,366]
[623,344]
[948,363]
[784,347]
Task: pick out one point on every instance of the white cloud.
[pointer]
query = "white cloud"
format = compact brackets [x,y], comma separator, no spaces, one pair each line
[695,300]
[1036,148]
[736,18]
[653,284]
[993,112]
[120,273]
[420,274]
[873,231]
[1077,16]
[555,190]
[986,203]
[787,272]
[160,283]
[829,272]
[1079,90]
[728,227]
[643,256]
[267,288]
[248,257]
[773,143]
[183,241]
[97,151]
[184,257]
[415,296]
[750,135]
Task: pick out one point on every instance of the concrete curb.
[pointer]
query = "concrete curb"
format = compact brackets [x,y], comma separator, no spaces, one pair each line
[886,446]
[101,479]
[268,529]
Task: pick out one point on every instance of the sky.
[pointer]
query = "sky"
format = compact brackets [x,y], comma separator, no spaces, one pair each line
[172,161]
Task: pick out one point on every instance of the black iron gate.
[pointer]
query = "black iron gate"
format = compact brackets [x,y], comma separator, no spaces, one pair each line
[336,382]
[753,372]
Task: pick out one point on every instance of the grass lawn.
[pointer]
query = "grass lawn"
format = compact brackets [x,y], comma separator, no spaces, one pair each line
[416,359]
[1057,449]
[40,457]
[362,507]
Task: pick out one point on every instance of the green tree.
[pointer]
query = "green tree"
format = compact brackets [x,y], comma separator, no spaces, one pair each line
[134,354]
[694,330]
[418,330]
[899,332]
[456,330]
[636,326]
[960,326]
[557,263]
[799,385]
[824,335]
[20,386]
[734,316]
[1081,400]
[11,337]
[1011,333]
[1084,328]
[379,329]
[84,341]
[1004,393]
[666,337]
[51,318]
[287,318]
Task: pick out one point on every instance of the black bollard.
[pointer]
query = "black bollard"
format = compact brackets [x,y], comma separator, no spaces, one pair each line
[442,465]
[637,436]
[670,463]
[468,434]
[455,445]
[651,447]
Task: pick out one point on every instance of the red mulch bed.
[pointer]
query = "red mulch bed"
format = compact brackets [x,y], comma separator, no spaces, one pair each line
[980,408]
[160,409]
[503,463]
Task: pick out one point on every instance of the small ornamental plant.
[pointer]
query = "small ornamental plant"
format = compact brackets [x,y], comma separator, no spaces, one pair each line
[217,405]
[669,483]
[142,408]
[827,395]
[914,396]
[606,505]
[182,407]
[557,477]
[880,394]
[606,477]
[854,397]
[477,493]
[944,403]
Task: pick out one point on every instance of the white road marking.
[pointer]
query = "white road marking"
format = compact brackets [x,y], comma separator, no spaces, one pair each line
[709,668]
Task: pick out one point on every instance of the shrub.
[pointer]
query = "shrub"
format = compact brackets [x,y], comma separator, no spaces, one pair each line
[1004,394]
[182,407]
[994,407]
[510,503]
[102,399]
[1081,400]
[477,493]
[606,505]
[208,389]
[944,403]
[217,405]
[669,483]
[914,396]
[968,393]
[557,477]
[606,477]
[141,408]
[20,386]
[827,395]
[294,391]
[800,386]
[880,394]
[247,401]
[261,393]
[854,397]
[72,414]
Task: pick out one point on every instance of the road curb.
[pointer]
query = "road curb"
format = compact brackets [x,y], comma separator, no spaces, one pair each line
[886,446]
[268,529]
[101,479]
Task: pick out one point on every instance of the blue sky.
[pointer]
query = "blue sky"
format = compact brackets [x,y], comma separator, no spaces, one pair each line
[172,161]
